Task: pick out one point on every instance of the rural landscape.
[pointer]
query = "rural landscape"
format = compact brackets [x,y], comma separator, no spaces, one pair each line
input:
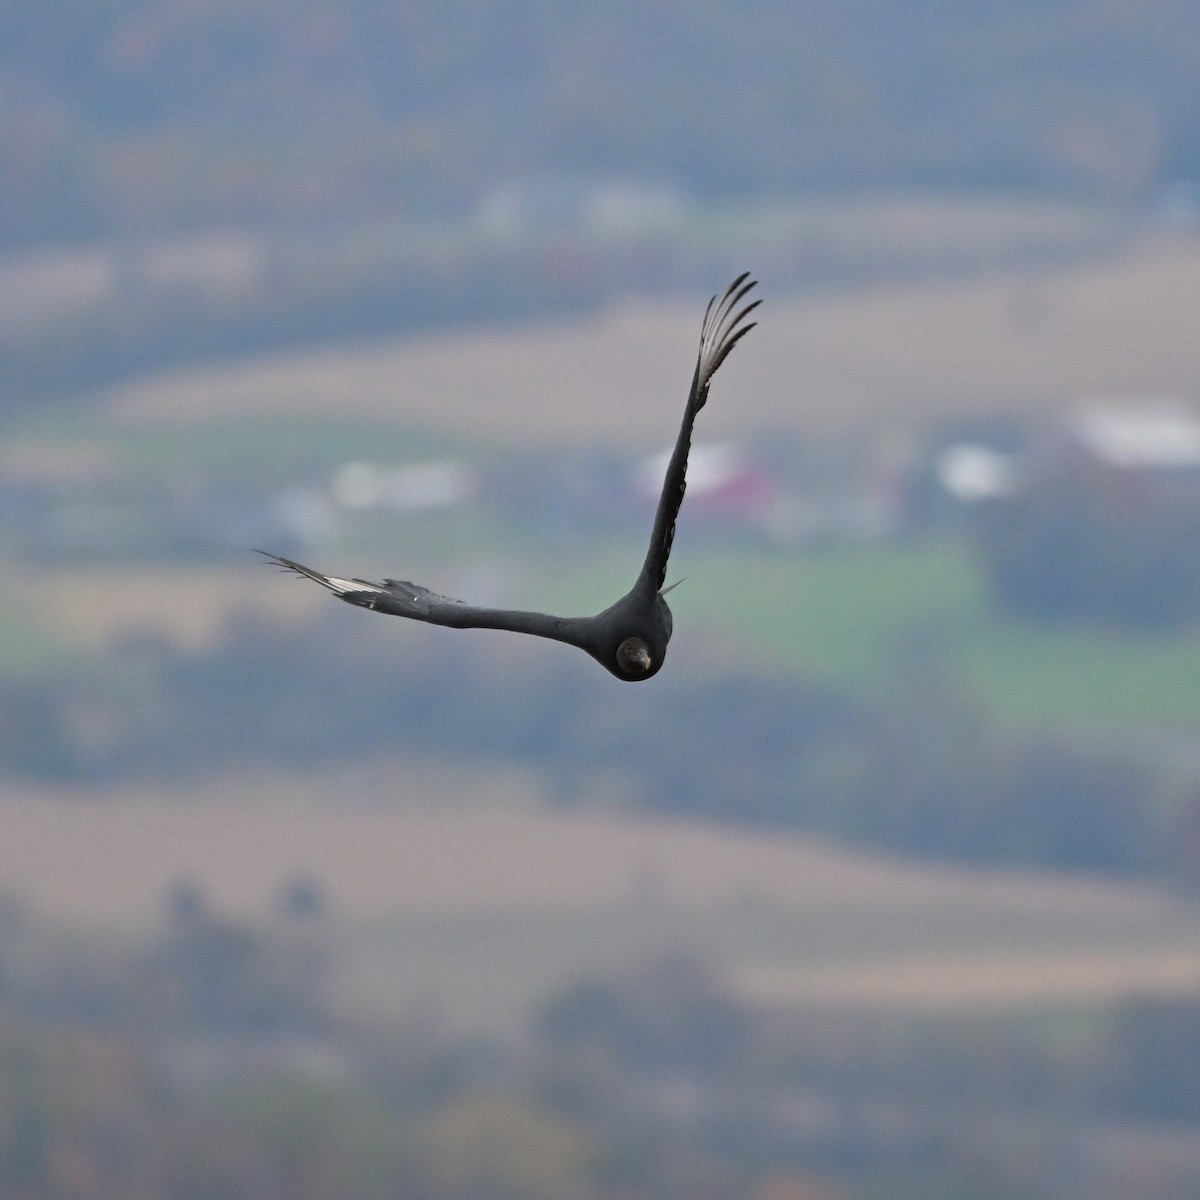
[885,887]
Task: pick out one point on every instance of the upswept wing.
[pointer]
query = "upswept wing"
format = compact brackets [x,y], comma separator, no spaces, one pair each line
[724,326]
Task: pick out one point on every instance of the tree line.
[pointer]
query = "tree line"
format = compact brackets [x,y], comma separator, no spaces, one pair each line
[918,771]
[153,116]
[209,1059]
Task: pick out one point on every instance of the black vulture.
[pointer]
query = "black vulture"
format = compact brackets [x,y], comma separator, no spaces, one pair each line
[630,637]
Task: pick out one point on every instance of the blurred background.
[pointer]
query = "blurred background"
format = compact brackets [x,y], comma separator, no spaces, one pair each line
[885,887]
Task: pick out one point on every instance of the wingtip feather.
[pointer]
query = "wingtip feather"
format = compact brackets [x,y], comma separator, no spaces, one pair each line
[723,327]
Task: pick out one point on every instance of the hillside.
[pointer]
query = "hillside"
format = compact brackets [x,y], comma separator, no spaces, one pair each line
[490,901]
[1027,341]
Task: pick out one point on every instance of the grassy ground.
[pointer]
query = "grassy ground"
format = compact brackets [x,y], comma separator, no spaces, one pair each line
[1086,678]
[30,641]
[863,617]
[841,613]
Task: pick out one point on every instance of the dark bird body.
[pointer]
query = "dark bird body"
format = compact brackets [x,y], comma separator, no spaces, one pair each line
[630,637]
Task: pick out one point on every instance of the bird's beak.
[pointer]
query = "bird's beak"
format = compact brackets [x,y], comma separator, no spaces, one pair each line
[642,657]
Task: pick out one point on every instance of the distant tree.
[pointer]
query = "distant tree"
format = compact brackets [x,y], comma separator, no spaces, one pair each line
[491,1147]
[36,740]
[214,975]
[669,1012]
[1182,839]
[302,899]
[1084,810]
[312,1140]
[1153,1059]
[186,902]
[1086,542]
[935,778]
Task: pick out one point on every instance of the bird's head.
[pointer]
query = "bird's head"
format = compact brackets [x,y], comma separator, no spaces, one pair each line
[633,657]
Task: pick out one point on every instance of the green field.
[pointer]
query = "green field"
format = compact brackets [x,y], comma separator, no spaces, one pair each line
[868,618]
[862,616]
[865,616]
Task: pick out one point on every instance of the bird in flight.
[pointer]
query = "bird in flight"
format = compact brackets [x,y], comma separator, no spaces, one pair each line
[630,637]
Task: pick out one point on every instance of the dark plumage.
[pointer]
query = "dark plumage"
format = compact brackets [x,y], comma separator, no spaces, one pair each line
[630,637]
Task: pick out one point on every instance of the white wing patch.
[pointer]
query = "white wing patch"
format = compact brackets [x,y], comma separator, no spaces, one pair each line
[342,586]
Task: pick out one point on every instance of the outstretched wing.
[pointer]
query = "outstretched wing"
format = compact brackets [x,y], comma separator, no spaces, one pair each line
[724,326]
[391,596]
[403,599]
